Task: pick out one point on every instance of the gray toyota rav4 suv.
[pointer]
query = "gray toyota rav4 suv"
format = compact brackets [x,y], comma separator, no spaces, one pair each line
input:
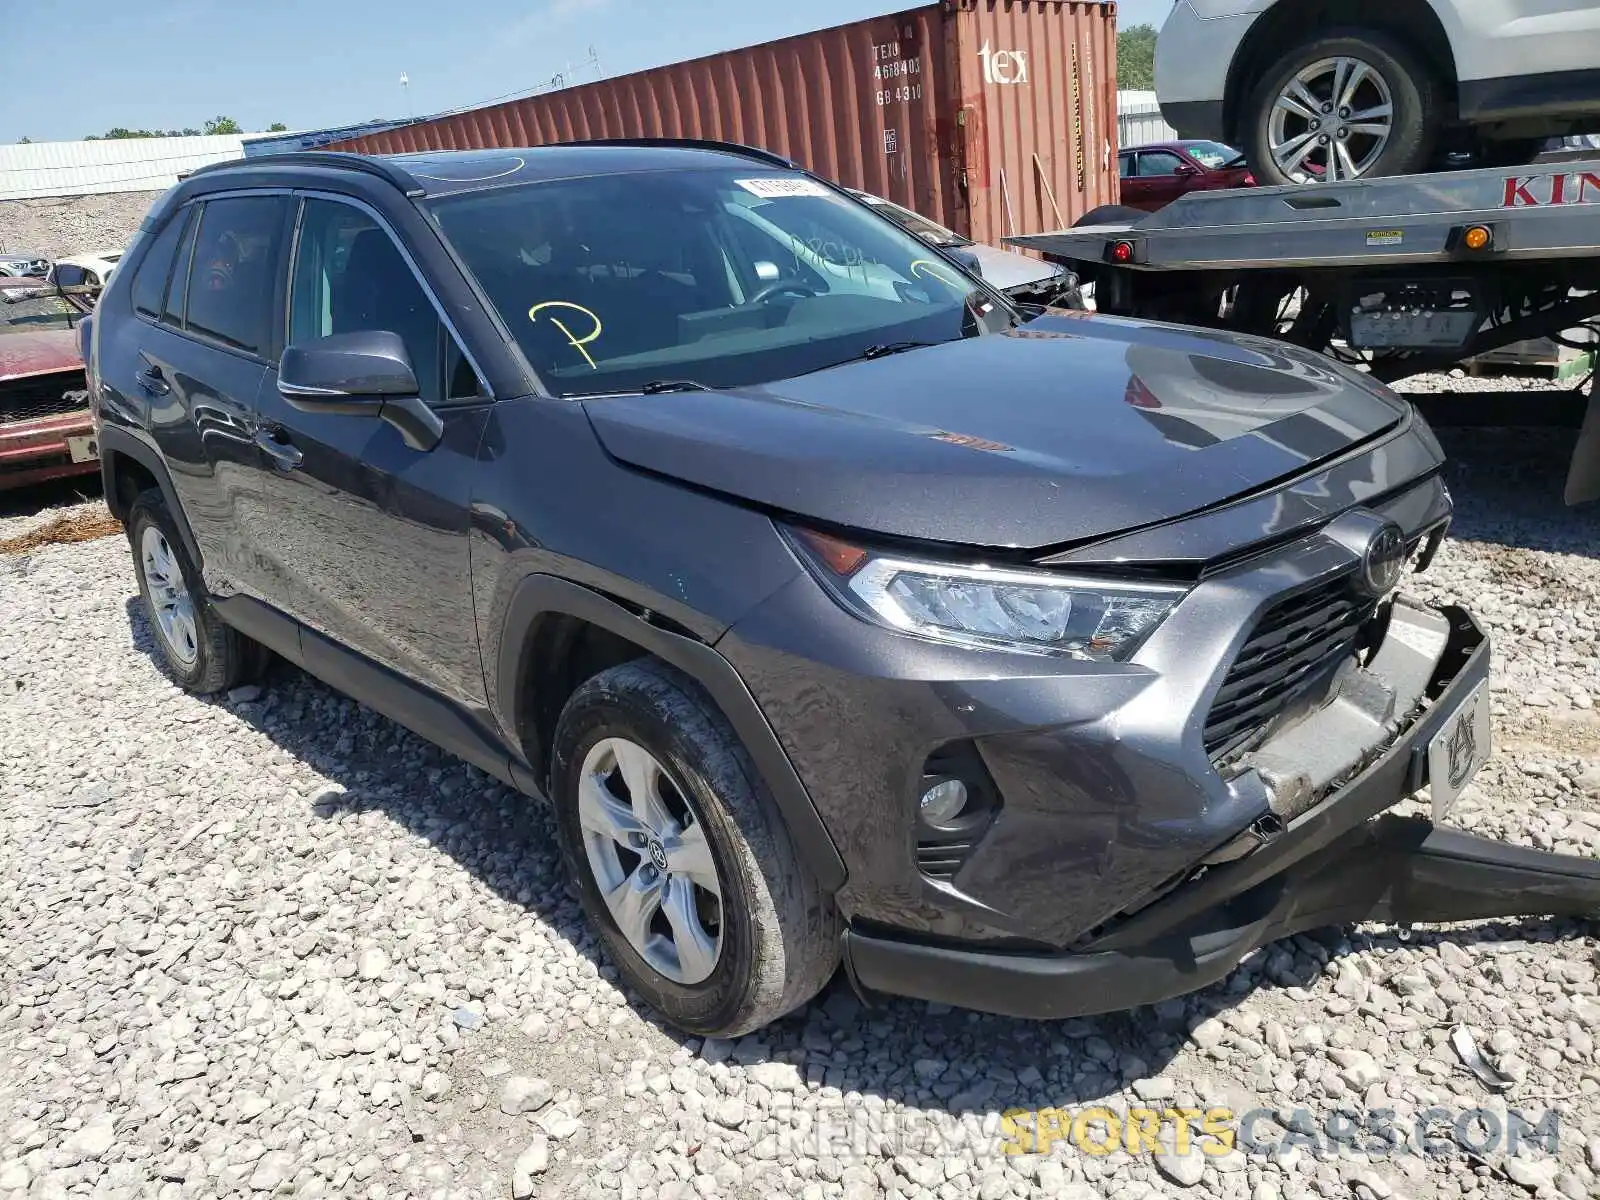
[1024,659]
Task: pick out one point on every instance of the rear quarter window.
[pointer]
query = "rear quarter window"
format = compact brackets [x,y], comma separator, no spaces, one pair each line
[150,281]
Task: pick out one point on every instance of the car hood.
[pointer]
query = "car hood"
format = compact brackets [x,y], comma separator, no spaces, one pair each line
[1006,269]
[1071,427]
[38,352]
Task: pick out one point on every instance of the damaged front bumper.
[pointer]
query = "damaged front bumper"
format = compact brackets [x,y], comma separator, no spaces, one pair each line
[1332,860]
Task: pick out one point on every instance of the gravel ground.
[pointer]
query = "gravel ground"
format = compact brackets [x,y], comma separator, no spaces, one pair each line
[274,944]
[58,226]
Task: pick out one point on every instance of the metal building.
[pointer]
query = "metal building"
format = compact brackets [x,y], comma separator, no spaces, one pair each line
[109,165]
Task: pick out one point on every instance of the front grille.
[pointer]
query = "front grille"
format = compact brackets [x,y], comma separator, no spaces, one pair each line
[1292,644]
[43,396]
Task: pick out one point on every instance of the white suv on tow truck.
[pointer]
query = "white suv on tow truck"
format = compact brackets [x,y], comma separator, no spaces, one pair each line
[1322,90]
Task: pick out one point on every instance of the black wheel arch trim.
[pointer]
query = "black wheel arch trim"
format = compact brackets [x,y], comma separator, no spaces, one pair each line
[115,441]
[538,596]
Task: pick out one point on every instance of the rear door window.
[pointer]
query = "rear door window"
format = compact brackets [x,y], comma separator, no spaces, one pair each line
[232,273]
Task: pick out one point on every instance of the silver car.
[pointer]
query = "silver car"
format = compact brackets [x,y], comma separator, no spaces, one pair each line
[1018,275]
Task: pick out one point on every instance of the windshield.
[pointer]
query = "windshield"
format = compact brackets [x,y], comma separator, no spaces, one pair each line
[722,278]
[23,311]
[1212,155]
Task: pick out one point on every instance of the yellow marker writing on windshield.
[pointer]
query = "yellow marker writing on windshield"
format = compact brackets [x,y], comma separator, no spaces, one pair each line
[935,271]
[577,343]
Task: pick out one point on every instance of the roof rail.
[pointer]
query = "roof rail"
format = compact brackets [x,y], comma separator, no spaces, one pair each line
[335,159]
[755,152]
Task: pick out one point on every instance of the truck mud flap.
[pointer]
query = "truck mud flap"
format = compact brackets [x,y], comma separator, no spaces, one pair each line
[1583,476]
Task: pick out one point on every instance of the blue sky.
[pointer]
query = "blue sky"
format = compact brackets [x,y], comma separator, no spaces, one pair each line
[173,63]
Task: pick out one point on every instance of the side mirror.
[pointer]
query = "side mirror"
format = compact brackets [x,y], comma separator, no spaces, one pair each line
[363,366]
[1185,171]
[968,260]
[367,373]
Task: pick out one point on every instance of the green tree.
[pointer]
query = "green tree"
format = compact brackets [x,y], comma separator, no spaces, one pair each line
[219,125]
[1136,58]
[27,141]
[277,127]
[120,132]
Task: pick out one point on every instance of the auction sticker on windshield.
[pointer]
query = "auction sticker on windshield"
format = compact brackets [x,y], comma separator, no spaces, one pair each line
[779,189]
[1458,750]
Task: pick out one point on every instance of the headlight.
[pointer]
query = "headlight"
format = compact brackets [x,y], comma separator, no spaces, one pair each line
[1035,612]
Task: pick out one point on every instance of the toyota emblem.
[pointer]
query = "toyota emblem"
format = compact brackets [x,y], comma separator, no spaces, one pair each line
[1383,560]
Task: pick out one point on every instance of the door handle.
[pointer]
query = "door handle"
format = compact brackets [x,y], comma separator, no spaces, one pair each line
[152,381]
[284,456]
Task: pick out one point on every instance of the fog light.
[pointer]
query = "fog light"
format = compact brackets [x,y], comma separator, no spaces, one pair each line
[943,802]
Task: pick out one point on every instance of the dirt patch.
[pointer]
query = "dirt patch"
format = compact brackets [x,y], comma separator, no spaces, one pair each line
[81,527]
[1566,735]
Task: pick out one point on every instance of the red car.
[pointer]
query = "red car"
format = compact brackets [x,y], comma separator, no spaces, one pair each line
[1157,174]
[45,428]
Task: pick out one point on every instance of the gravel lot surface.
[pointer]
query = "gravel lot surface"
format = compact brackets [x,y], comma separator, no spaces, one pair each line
[58,226]
[274,944]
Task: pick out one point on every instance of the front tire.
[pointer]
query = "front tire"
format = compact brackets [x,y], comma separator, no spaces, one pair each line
[202,654]
[1351,104]
[684,865]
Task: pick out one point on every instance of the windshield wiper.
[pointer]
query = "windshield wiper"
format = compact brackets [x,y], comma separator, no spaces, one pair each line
[884,349]
[657,386]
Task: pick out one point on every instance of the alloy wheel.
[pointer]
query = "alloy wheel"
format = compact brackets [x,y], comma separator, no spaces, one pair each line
[650,858]
[1333,120]
[171,604]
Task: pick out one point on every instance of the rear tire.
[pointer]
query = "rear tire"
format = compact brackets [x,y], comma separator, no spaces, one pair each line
[1413,124]
[776,932]
[201,653]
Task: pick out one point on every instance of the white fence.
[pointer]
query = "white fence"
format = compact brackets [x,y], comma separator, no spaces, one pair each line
[1139,120]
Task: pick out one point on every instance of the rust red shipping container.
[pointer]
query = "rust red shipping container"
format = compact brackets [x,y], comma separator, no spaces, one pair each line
[989,116]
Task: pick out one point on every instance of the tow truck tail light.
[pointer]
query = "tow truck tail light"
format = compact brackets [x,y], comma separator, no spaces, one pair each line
[1472,239]
[1121,252]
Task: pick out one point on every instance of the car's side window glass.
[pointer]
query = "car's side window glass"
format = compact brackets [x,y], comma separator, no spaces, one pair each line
[350,277]
[1159,162]
[178,286]
[1124,165]
[461,381]
[231,277]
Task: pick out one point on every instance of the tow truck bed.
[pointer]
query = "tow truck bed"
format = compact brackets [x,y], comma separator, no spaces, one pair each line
[1540,213]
